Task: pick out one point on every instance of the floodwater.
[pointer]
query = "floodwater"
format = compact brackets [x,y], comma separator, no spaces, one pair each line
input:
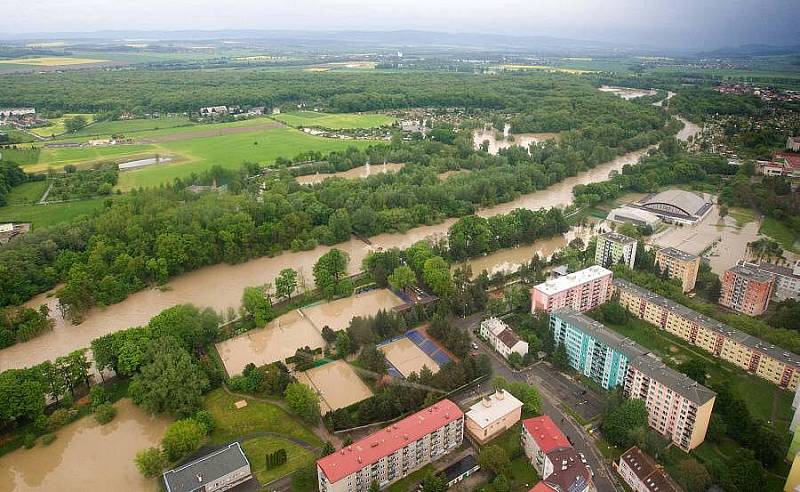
[337,385]
[670,95]
[510,259]
[728,239]
[407,357]
[144,162]
[355,173]
[628,92]
[509,139]
[220,286]
[299,328]
[689,130]
[338,314]
[87,456]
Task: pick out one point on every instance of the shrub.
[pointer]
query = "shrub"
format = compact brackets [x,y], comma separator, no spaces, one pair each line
[29,441]
[59,418]
[182,438]
[105,413]
[97,396]
[150,462]
[206,419]
[48,439]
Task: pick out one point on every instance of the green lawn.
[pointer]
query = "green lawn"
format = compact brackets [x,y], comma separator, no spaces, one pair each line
[27,154]
[742,215]
[230,151]
[408,482]
[255,417]
[257,449]
[781,233]
[131,126]
[335,121]
[47,215]
[523,476]
[59,157]
[56,126]
[27,193]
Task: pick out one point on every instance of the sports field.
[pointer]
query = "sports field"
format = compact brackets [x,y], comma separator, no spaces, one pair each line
[335,121]
[338,314]
[51,61]
[337,385]
[406,357]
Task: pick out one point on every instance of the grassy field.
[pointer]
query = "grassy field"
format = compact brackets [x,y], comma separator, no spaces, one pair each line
[255,417]
[59,157]
[56,126]
[126,127]
[742,215]
[257,449]
[24,154]
[779,232]
[335,121]
[47,215]
[27,193]
[51,61]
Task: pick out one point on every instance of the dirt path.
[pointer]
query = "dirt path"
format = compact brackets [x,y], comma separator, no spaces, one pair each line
[212,132]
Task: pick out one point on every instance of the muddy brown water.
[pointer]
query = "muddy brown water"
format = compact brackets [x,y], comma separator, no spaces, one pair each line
[407,357]
[509,139]
[87,456]
[337,385]
[627,92]
[220,286]
[355,173]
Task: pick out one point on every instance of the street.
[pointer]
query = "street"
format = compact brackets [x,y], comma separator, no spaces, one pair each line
[551,383]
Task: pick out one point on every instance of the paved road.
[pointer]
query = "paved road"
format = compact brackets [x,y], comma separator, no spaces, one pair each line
[604,479]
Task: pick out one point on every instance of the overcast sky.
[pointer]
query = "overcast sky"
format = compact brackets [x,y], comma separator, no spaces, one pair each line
[695,24]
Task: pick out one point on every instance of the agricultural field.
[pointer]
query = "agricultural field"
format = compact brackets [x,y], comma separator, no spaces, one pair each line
[126,127]
[84,156]
[335,121]
[48,215]
[51,61]
[27,193]
[56,126]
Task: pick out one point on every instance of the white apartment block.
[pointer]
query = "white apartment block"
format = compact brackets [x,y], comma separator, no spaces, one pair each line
[581,291]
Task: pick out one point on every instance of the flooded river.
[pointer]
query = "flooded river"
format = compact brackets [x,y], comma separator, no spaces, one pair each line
[508,139]
[355,173]
[87,456]
[220,286]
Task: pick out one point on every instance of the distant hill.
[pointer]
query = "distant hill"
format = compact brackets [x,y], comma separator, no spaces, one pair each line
[747,50]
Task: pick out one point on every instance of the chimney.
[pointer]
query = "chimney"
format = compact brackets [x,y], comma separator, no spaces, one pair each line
[501,394]
[199,478]
[487,402]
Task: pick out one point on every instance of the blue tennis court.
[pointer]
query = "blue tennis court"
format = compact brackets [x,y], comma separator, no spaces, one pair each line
[428,346]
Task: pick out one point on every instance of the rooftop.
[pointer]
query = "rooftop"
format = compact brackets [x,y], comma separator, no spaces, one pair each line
[192,475]
[750,273]
[569,473]
[495,325]
[598,331]
[754,343]
[676,253]
[678,382]
[618,238]
[508,337]
[386,441]
[631,213]
[691,203]
[647,471]
[594,272]
[491,408]
[546,433]
[774,269]
[460,467]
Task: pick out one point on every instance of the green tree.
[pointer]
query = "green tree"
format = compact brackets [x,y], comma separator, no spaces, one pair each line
[692,475]
[339,224]
[303,401]
[75,123]
[150,462]
[436,273]
[560,357]
[494,459]
[434,483]
[470,236]
[518,298]
[402,277]
[257,306]
[329,271]
[344,346]
[169,381]
[624,419]
[286,283]
[182,438]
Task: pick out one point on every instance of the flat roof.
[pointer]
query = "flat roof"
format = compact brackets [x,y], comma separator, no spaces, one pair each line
[500,404]
[677,253]
[751,273]
[599,331]
[678,382]
[209,468]
[618,238]
[754,343]
[460,467]
[546,433]
[775,269]
[568,281]
[647,471]
[386,441]
[495,325]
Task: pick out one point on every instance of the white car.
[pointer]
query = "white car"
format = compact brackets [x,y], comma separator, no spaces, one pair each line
[474,346]
[583,458]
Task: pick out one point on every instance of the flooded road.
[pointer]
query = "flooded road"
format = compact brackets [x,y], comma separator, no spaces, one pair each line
[508,139]
[220,286]
[355,173]
[87,456]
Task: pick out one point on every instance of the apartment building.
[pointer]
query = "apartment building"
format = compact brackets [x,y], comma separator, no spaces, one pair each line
[554,458]
[678,407]
[641,472]
[493,415]
[502,338]
[613,248]
[592,349]
[394,451]
[680,265]
[746,290]
[787,280]
[752,354]
[582,290]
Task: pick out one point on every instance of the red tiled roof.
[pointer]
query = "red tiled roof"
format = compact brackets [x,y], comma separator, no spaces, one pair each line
[541,487]
[386,441]
[791,158]
[546,433]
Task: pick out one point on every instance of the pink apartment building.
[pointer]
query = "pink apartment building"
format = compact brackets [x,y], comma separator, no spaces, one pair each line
[581,291]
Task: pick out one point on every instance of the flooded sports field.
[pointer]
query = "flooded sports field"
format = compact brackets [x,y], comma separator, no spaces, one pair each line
[280,339]
[355,173]
[407,357]
[87,456]
[338,314]
[337,385]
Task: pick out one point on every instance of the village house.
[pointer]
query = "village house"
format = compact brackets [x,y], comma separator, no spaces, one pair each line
[503,338]
[493,415]
[221,470]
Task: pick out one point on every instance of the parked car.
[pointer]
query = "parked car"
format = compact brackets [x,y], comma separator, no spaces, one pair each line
[583,458]
[474,346]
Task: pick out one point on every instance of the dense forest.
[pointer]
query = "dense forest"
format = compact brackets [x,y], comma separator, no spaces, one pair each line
[10,176]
